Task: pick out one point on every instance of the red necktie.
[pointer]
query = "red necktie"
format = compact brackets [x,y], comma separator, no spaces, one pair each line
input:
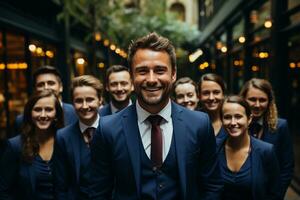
[156,140]
[88,134]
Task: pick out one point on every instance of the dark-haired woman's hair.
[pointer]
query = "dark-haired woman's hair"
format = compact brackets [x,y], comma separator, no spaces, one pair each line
[238,100]
[271,115]
[30,145]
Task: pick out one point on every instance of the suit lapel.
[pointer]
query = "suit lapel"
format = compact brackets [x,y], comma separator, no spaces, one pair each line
[131,130]
[255,169]
[180,138]
[75,141]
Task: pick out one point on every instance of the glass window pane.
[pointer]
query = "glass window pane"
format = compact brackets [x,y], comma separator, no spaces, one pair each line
[2,96]
[17,84]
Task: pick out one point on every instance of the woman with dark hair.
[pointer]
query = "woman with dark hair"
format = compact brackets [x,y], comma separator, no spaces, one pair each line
[211,95]
[267,127]
[249,167]
[26,166]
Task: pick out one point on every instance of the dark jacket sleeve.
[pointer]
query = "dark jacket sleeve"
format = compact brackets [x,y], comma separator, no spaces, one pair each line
[285,156]
[102,177]
[211,183]
[61,169]
[272,171]
[9,166]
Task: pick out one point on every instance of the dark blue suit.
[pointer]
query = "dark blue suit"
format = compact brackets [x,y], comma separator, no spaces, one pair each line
[265,181]
[105,110]
[281,139]
[69,117]
[71,160]
[117,156]
[17,178]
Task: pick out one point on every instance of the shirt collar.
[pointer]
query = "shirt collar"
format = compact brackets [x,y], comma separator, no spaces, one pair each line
[83,126]
[114,109]
[142,114]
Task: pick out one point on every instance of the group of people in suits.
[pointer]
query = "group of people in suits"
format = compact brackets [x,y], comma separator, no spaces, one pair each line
[255,156]
[151,148]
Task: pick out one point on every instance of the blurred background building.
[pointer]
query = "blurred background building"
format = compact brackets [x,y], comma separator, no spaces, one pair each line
[238,39]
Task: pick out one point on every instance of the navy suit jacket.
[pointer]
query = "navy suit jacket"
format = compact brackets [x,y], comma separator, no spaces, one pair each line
[17,178]
[281,139]
[69,117]
[105,110]
[116,160]
[264,171]
[67,161]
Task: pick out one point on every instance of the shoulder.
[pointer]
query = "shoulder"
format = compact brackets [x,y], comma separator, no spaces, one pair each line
[105,110]
[261,146]
[68,108]
[67,131]
[15,143]
[282,123]
[189,116]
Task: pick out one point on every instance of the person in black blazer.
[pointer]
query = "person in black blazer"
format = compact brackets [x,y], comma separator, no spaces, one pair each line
[26,165]
[249,167]
[212,89]
[268,127]
[186,93]
[72,147]
[154,149]
[119,86]
[48,77]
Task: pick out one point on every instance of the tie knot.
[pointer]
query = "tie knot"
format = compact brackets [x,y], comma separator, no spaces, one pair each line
[88,134]
[155,119]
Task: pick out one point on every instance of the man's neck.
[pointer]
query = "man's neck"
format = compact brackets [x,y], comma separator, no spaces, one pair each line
[120,104]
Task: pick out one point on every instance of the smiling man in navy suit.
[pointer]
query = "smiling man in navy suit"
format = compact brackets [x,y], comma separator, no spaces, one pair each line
[154,149]
[72,146]
[119,86]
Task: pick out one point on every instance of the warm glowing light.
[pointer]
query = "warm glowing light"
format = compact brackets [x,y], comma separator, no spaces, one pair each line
[12,66]
[195,55]
[118,51]
[236,62]
[101,65]
[213,66]
[39,50]
[242,39]
[298,64]
[50,54]
[204,65]
[263,55]
[224,49]
[292,65]
[106,42]
[268,23]
[219,45]
[254,68]
[80,61]
[32,47]
[112,47]
[97,36]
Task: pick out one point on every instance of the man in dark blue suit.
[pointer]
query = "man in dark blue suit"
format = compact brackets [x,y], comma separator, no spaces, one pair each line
[119,87]
[72,152]
[48,77]
[154,149]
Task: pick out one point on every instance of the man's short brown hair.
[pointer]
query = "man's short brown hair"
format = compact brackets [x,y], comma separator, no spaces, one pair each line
[154,42]
[87,80]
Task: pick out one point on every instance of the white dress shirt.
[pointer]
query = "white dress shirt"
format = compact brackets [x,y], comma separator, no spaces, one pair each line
[83,126]
[166,127]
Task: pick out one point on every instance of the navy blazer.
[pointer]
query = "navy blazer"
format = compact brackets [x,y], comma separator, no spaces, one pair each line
[281,139]
[67,161]
[17,178]
[69,117]
[116,164]
[105,110]
[264,171]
